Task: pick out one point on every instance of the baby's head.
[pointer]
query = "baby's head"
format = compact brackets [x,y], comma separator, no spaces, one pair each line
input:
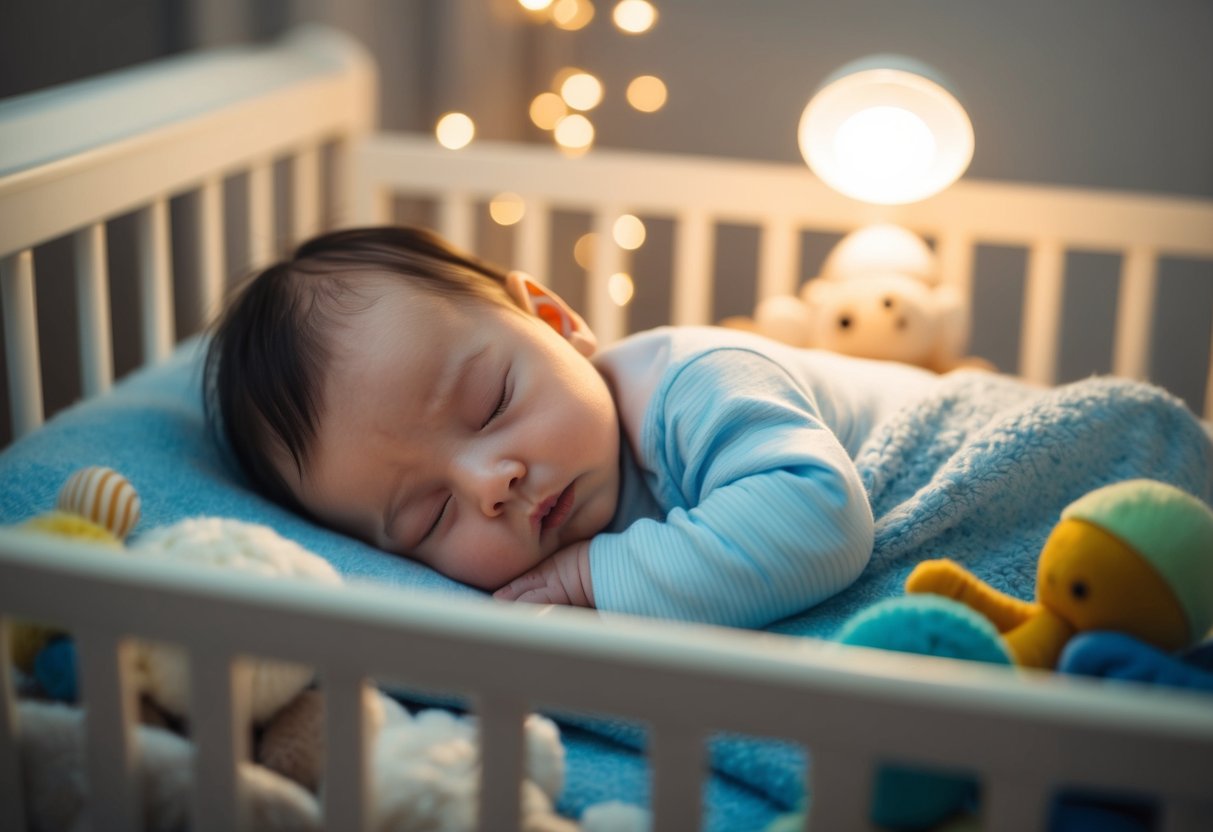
[394,388]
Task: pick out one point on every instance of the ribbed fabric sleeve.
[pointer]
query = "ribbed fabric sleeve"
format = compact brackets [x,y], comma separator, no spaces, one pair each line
[766,514]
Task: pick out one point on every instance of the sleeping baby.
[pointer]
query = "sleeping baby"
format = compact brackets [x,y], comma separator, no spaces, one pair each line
[394,388]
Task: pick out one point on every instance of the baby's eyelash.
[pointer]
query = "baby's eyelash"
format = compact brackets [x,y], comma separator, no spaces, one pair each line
[501,404]
[437,520]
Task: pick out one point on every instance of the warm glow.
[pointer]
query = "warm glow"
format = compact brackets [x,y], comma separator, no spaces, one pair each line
[581,91]
[507,208]
[534,5]
[629,232]
[574,132]
[883,132]
[455,130]
[647,93]
[634,16]
[572,15]
[547,108]
[583,249]
[884,144]
[620,288]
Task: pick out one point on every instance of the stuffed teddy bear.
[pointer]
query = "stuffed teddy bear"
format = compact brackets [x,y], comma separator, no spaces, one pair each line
[879,296]
[1134,557]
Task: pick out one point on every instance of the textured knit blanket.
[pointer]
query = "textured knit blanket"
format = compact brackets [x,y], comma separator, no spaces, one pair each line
[979,472]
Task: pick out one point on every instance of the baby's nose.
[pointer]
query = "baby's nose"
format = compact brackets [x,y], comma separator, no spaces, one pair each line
[497,486]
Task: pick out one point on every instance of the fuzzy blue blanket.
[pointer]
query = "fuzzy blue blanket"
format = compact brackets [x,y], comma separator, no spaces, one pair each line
[979,472]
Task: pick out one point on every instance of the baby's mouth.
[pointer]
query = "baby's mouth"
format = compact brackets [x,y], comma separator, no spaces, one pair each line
[554,511]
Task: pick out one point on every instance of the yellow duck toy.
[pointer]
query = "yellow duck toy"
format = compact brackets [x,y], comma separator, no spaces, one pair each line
[1135,557]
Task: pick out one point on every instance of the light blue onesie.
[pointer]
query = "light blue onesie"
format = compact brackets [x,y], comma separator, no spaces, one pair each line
[740,502]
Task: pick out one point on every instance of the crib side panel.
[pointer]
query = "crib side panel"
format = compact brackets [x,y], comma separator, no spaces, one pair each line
[178,128]
[785,204]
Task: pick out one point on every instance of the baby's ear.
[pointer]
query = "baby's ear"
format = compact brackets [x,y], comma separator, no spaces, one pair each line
[550,308]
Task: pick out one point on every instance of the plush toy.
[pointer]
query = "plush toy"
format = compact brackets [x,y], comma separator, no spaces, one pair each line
[1135,557]
[425,767]
[878,296]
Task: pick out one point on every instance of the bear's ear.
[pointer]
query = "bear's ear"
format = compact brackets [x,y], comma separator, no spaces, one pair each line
[817,291]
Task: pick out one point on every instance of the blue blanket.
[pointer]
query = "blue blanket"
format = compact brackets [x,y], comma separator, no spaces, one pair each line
[979,472]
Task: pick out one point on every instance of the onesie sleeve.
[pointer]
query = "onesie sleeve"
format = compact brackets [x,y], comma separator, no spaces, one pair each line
[769,515]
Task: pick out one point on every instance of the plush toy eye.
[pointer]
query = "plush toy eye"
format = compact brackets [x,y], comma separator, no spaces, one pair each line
[1079,590]
[844,321]
[887,301]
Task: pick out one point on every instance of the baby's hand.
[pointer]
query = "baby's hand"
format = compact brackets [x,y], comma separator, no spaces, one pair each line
[564,578]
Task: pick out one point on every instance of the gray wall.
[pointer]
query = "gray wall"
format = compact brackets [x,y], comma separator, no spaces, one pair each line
[1097,93]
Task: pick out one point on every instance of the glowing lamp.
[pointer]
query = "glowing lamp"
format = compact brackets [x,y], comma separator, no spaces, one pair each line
[884,130]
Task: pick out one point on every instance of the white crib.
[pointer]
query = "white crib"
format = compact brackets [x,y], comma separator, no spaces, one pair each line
[78,156]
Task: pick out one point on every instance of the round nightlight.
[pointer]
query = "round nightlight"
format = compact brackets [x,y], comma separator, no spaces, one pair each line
[882,130]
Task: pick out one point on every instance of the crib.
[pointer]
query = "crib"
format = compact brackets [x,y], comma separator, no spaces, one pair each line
[302,109]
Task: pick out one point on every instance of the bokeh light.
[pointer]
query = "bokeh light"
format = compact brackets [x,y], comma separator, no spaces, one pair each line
[572,15]
[629,232]
[620,288]
[547,109]
[583,249]
[581,91]
[534,5]
[455,130]
[574,132]
[507,208]
[634,16]
[647,93]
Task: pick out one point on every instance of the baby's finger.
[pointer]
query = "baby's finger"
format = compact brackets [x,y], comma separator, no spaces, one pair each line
[521,584]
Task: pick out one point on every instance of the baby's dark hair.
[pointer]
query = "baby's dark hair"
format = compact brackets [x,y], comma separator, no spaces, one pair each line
[265,364]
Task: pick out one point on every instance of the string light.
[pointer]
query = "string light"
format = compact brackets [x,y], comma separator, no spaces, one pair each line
[547,109]
[647,93]
[581,91]
[634,16]
[574,132]
[455,130]
[583,249]
[629,232]
[507,208]
[620,288]
[572,15]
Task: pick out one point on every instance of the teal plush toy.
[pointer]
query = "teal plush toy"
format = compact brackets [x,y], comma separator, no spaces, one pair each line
[906,799]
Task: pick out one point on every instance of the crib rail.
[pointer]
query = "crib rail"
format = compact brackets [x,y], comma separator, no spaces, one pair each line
[74,157]
[850,708]
[783,201]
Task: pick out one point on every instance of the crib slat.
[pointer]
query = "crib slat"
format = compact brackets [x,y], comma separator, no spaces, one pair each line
[456,220]
[93,308]
[1010,805]
[534,240]
[21,341]
[347,785]
[1135,313]
[840,787]
[677,759]
[12,798]
[501,752]
[260,214]
[1042,312]
[305,204]
[606,318]
[778,271]
[954,251]
[220,691]
[210,249]
[110,753]
[1208,414]
[155,280]
[692,292]
[338,205]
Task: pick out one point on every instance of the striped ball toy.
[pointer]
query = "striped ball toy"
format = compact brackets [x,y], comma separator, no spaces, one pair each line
[103,496]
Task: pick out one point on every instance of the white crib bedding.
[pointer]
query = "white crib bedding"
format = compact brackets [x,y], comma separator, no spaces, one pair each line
[978,473]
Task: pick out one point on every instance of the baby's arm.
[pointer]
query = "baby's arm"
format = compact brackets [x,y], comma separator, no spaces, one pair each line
[768,516]
[563,578]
